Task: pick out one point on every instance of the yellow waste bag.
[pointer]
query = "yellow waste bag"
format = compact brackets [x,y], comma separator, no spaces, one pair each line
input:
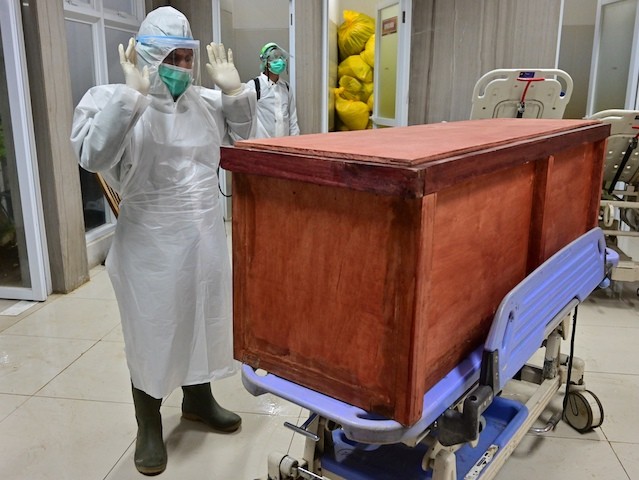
[353,33]
[355,67]
[369,103]
[367,91]
[352,113]
[352,86]
[368,55]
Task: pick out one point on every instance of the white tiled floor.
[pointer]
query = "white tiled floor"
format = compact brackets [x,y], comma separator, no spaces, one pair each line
[66,410]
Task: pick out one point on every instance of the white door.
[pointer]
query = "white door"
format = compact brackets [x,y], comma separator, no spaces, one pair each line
[615,67]
[24,273]
[239,25]
[392,63]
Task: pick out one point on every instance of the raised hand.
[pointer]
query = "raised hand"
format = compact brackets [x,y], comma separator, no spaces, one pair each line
[222,69]
[134,78]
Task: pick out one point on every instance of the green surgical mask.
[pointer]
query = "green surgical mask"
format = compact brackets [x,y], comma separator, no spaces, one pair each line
[277,66]
[175,78]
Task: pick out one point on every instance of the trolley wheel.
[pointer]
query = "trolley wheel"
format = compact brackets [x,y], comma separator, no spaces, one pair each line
[583,411]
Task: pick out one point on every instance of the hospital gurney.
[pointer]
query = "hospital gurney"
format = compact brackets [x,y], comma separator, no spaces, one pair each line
[464,409]
[619,200]
[522,93]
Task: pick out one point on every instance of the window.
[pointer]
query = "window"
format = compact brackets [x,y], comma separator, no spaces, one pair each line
[94,29]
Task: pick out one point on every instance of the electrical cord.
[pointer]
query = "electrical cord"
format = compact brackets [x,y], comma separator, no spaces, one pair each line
[572,352]
[219,185]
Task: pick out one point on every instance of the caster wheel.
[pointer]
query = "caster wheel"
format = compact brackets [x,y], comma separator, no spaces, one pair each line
[583,411]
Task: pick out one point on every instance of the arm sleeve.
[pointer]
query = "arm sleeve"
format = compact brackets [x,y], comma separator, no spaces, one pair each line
[294,128]
[240,114]
[103,123]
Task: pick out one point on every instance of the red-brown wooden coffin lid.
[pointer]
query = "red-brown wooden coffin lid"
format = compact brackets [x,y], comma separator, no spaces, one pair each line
[409,161]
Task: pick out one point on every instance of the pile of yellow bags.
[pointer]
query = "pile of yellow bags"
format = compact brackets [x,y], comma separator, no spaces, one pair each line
[354,95]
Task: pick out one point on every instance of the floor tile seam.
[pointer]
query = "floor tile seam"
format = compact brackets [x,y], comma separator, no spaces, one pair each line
[614,452]
[26,335]
[120,458]
[112,341]
[90,298]
[31,310]
[3,329]
[619,442]
[290,443]
[265,414]
[15,394]
[597,372]
[26,399]
[596,323]
[67,366]
[115,327]
[562,437]
[76,399]
[241,411]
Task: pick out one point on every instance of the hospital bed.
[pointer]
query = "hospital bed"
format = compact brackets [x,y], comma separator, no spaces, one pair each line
[522,93]
[619,201]
[467,428]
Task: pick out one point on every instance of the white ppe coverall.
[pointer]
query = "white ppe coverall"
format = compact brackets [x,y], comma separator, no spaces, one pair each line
[276,110]
[169,261]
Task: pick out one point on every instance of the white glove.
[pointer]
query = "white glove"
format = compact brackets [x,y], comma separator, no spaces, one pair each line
[133,77]
[223,71]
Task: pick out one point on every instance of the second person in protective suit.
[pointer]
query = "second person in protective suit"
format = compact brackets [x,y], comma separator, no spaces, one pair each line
[276,110]
[157,140]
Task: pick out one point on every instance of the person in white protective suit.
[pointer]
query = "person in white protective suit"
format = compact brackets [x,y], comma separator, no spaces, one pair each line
[276,110]
[157,140]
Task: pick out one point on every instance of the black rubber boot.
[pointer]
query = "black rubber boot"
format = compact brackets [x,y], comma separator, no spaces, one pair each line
[150,451]
[199,405]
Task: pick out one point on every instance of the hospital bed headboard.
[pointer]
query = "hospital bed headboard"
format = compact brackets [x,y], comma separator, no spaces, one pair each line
[624,129]
[522,93]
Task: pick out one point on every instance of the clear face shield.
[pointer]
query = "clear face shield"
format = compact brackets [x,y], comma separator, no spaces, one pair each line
[276,59]
[175,60]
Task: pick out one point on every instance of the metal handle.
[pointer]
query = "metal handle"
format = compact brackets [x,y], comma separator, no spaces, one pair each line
[302,430]
[552,423]
[308,474]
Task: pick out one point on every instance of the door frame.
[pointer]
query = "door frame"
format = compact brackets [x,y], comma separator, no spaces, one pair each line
[225,177]
[24,144]
[632,84]
[403,64]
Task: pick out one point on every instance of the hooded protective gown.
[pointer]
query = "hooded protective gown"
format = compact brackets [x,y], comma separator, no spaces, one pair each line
[169,261]
[276,111]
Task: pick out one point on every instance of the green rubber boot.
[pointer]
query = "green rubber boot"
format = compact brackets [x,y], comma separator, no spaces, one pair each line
[150,451]
[199,405]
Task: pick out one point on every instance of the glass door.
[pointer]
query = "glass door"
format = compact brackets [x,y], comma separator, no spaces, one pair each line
[94,29]
[24,263]
[614,68]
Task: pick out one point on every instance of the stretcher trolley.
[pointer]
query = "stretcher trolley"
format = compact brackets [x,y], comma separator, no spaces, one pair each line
[619,202]
[522,93]
[468,429]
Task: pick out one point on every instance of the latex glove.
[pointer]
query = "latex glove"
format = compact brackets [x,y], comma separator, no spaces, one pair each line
[222,69]
[132,75]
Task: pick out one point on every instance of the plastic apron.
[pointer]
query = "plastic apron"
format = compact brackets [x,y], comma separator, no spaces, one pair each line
[169,261]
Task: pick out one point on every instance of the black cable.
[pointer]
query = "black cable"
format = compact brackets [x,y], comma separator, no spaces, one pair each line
[219,186]
[572,352]
[631,146]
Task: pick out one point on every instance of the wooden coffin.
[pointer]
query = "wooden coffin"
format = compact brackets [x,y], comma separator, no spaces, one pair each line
[367,264]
